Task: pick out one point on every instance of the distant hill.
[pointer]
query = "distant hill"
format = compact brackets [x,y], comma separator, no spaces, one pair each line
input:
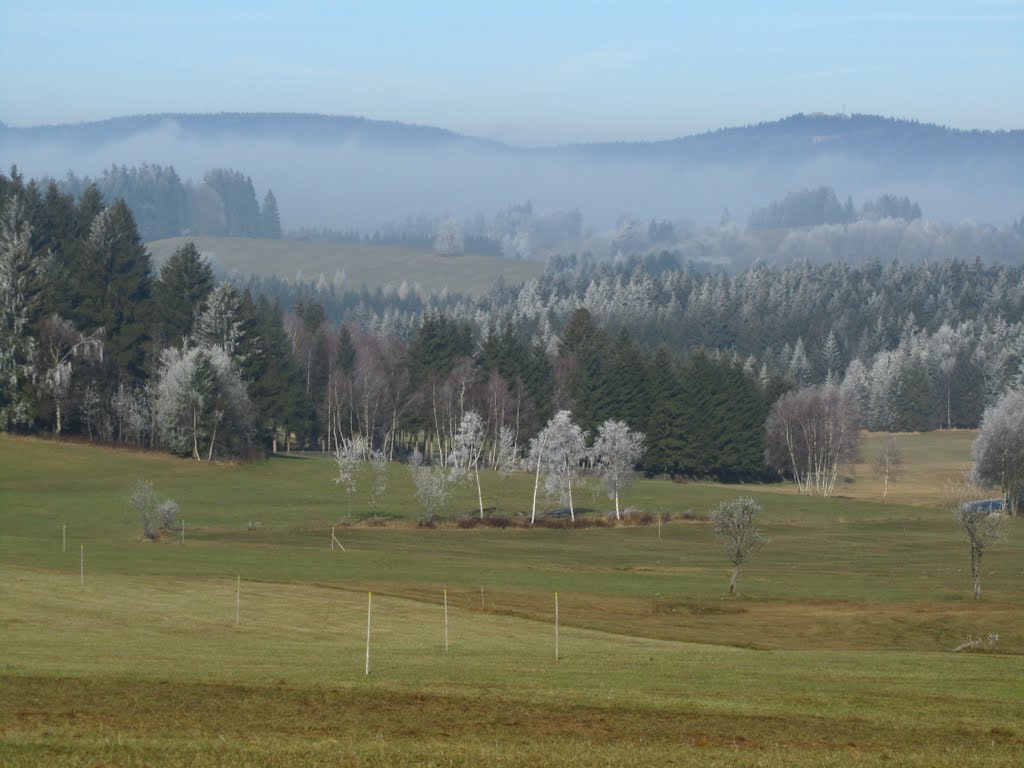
[353,172]
[322,129]
[801,136]
[796,135]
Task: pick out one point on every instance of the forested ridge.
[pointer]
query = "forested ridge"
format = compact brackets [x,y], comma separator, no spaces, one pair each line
[96,343]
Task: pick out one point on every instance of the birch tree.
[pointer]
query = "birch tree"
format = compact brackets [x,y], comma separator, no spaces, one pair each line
[888,465]
[616,452]
[358,465]
[505,460]
[557,453]
[467,448]
[811,433]
[62,346]
[735,526]
[201,399]
[347,458]
[432,484]
[978,526]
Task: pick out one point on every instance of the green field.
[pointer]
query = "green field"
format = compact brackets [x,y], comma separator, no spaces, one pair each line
[838,652]
[362,263]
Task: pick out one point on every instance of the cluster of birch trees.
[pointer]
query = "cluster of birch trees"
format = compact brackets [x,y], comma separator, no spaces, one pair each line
[557,456]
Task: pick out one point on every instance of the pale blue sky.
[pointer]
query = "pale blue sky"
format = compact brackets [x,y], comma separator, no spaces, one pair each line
[523,72]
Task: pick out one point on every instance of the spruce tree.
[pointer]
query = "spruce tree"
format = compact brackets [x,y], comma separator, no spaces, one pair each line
[270,217]
[185,283]
[122,305]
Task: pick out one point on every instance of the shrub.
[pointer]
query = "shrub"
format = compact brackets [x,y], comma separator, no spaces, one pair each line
[155,517]
[985,644]
[167,513]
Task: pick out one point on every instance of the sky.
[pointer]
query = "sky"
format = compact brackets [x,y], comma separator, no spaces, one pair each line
[526,73]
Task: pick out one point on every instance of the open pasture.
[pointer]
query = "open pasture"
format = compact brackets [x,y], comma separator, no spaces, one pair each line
[374,266]
[839,651]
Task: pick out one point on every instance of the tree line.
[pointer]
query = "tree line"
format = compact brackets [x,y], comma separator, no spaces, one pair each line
[223,203]
[96,343]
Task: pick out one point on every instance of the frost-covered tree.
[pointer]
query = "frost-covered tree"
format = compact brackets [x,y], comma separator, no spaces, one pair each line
[616,451]
[467,448]
[62,347]
[979,526]
[735,526]
[449,241]
[377,465]
[506,459]
[220,321]
[811,433]
[132,411]
[200,399]
[998,450]
[347,459]
[156,515]
[432,484]
[557,453]
[18,346]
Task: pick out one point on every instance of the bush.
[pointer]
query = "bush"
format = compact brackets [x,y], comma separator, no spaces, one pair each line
[167,513]
[985,644]
[156,517]
[142,500]
[632,516]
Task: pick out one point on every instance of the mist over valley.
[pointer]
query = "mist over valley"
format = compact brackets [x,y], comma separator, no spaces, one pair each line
[357,174]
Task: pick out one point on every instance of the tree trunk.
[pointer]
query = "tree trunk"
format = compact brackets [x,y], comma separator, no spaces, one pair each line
[732,580]
[976,573]
[213,438]
[479,493]
[195,437]
[617,515]
[572,512]
[536,482]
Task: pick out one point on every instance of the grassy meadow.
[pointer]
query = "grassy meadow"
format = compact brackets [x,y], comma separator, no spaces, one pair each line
[838,651]
[363,263]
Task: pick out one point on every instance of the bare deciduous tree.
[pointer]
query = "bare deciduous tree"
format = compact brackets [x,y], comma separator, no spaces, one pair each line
[616,452]
[736,527]
[888,465]
[811,433]
[978,525]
